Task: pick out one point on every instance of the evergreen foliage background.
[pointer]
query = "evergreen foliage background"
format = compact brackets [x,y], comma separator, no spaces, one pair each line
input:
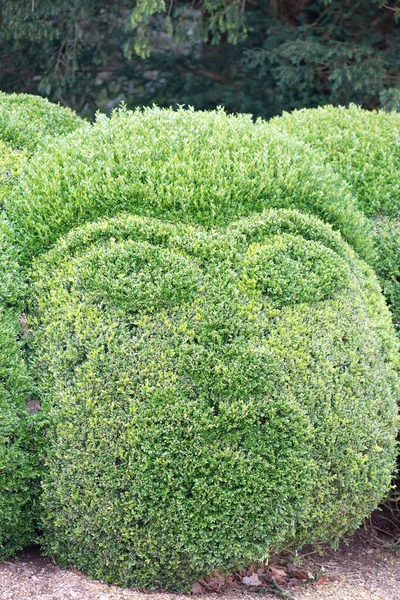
[258,57]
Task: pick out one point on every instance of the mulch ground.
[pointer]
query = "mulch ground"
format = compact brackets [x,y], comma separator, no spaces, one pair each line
[361,570]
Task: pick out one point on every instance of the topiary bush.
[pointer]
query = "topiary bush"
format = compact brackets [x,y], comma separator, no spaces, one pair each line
[27,121]
[362,145]
[203,168]
[18,432]
[213,394]
[364,148]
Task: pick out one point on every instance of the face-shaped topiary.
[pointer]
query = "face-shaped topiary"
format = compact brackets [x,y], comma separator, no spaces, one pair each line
[213,394]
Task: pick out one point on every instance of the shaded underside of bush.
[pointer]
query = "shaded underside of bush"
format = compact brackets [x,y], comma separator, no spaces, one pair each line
[387,240]
[204,168]
[213,394]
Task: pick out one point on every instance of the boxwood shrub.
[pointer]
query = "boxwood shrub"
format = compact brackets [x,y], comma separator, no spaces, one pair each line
[18,431]
[213,394]
[27,121]
[203,168]
[364,148]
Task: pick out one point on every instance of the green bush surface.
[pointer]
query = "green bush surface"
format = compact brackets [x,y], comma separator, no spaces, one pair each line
[206,406]
[387,239]
[18,462]
[364,148]
[10,163]
[27,121]
[203,168]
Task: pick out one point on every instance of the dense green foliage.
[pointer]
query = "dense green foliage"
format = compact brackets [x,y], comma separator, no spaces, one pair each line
[10,162]
[25,122]
[259,57]
[387,237]
[18,462]
[202,168]
[364,148]
[206,405]
[217,368]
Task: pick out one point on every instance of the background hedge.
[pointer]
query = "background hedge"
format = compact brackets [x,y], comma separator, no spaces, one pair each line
[261,58]
[25,123]
[18,462]
[364,148]
[205,408]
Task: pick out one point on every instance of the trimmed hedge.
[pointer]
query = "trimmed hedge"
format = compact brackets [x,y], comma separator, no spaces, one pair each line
[362,145]
[203,168]
[18,462]
[364,148]
[206,406]
[27,121]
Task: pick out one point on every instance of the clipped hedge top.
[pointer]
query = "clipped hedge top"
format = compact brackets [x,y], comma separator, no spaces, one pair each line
[26,121]
[203,168]
[363,146]
[205,413]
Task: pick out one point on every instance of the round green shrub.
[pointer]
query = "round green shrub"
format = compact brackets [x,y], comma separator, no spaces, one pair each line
[364,148]
[206,406]
[203,168]
[18,431]
[27,121]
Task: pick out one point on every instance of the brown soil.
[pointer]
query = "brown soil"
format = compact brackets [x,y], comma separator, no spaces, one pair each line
[362,570]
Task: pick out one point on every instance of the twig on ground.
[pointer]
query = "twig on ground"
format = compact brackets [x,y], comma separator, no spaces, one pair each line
[279,591]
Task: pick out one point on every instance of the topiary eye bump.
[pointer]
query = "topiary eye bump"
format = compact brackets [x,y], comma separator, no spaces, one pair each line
[290,270]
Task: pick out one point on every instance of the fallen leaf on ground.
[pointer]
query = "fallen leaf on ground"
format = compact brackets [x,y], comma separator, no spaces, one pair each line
[321,580]
[252,580]
[197,588]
